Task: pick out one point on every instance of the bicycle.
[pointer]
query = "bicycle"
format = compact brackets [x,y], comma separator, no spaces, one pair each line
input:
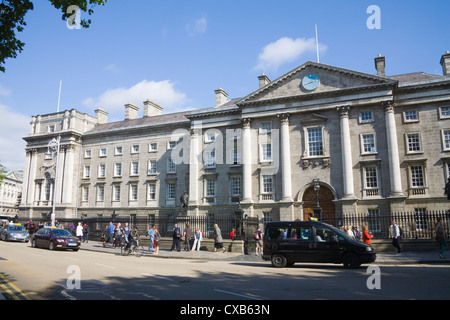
[134,248]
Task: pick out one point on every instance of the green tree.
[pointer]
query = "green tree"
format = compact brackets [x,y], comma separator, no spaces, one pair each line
[2,173]
[12,21]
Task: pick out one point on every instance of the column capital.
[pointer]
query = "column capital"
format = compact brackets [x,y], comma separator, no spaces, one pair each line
[388,105]
[246,122]
[343,111]
[284,117]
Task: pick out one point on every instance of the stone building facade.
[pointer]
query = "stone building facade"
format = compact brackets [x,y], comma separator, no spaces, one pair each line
[10,193]
[373,143]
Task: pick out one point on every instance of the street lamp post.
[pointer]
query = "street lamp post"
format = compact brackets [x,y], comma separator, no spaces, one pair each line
[317,209]
[54,145]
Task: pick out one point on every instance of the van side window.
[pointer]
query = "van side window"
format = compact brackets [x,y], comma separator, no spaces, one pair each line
[276,233]
[300,233]
[325,235]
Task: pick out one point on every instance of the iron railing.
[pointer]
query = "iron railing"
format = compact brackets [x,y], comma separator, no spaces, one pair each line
[415,225]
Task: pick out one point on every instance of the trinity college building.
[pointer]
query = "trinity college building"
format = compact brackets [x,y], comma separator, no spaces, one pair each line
[373,143]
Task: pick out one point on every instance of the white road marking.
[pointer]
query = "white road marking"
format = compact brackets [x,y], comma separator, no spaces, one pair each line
[159,277]
[237,294]
[104,265]
[74,259]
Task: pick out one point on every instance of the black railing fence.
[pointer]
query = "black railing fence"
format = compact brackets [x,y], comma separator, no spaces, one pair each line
[415,225]
[165,225]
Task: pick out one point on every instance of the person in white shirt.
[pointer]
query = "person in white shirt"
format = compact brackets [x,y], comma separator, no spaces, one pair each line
[198,237]
[396,236]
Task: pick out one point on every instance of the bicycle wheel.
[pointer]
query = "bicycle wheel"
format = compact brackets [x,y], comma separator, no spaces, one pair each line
[124,250]
[138,251]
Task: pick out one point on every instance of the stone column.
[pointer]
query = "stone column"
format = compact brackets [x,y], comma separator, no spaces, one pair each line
[286,183]
[67,185]
[392,143]
[32,177]
[193,166]
[347,165]
[246,161]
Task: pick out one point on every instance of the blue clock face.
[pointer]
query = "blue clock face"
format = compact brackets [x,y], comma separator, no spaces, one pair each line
[310,82]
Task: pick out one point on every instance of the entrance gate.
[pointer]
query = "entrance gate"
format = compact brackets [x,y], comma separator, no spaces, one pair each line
[326,198]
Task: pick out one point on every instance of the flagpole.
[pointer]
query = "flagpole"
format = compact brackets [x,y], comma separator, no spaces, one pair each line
[317,45]
[59,95]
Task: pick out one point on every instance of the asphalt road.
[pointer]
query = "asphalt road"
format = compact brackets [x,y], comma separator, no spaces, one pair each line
[40,274]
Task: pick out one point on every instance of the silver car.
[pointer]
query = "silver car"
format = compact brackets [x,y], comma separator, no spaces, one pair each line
[14,232]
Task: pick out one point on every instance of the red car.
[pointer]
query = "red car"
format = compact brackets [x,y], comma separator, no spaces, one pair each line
[54,238]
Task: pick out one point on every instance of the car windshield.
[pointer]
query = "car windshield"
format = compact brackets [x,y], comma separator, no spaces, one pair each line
[61,233]
[16,228]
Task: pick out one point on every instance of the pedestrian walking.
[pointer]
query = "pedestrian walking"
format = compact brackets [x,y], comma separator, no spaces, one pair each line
[233,234]
[258,238]
[126,232]
[117,235]
[105,235]
[176,236]
[71,228]
[218,240]
[440,237]
[350,232]
[396,236]
[79,231]
[198,237]
[157,240]
[366,235]
[86,233]
[187,237]
[111,233]
[151,234]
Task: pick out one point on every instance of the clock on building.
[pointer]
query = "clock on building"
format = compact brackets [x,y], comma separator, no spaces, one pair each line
[310,82]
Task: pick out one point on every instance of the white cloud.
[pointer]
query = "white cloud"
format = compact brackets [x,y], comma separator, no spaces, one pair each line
[13,128]
[4,91]
[197,26]
[285,50]
[161,92]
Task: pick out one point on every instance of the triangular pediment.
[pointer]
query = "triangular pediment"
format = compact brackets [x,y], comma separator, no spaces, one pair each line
[313,118]
[332,81]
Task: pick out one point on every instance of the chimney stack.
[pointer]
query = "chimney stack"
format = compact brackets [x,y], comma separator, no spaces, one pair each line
[263,80]
[380,65]
[131,111]
[151,109]
[221,96]
[101,115]
[445,62]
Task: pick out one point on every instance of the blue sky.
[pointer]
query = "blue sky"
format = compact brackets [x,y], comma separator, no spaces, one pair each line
[177,53]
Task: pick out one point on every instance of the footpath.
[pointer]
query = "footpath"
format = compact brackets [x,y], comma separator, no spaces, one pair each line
[389,258]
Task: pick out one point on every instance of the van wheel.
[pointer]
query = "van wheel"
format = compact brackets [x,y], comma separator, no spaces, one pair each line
[351,261]
[279,261]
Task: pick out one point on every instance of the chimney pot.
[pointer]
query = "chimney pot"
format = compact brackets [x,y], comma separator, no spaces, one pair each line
[445,62]
[101,115]
[380,65]
[263,80]
[221,96]
[131,111]
[151,109]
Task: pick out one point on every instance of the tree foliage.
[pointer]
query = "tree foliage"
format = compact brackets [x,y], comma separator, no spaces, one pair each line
[2,173]
[12,21]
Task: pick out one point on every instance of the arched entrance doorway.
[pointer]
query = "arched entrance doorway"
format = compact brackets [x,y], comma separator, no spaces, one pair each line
[326,198]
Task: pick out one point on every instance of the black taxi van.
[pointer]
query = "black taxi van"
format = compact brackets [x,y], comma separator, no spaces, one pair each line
[286,243]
